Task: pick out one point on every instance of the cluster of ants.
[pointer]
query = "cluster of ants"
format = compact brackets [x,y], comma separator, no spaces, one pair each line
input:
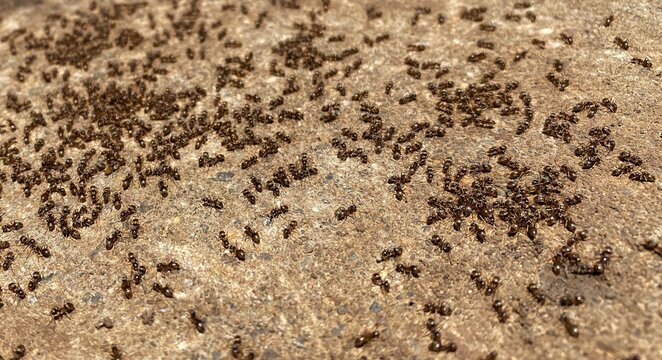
[117,138]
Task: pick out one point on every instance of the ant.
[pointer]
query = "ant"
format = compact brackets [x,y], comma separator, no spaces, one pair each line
[58,313]
[287,231]
[342,213]
[599,267]
[212,203]
[165,290]
[567,300]
[436,345]
[113,239]
[17,290]
[365,338]
[249,196]
[653,247]
[168,267]
[9,260]
[412,270]
[442,309]
[477,279]
[32,245]
[493,286]
[34,281]
[570,327]
[197,322]
[238,253]
[254,235]
[444,246]
[480,233]
[139,270]
[257,183]
[237,352]
[502,314]
[383,284]
[126,288]
[276,212]
[393,253]
[537,294]
[115,353]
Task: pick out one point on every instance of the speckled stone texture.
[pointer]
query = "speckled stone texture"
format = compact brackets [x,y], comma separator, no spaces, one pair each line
[309,296]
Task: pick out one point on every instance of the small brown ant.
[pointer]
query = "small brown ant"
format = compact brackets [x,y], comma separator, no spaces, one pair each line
[126,288]
[212,203]
[35,279]
[58,313]
[249,196]
[238,253]
[237,351]
[537,294]
[443,245]
[17,290]
[252,234]
[365,338]
[383,284]
[287,231]
[502,314]
[570,327]
[197,322]
[115,353]
[442,309]
[342,213]
[165,290]
[168,267]
[567,300]
[388,254]
[412,270]
[477,279]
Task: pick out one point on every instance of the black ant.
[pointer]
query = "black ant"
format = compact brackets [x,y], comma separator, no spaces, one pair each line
[412,270]
[653,247]
[444,246]
[9,260]
[477,279]
[276,212]
[570,327]
[165,290]
[237,352]
[58,313]
[17,290]
[113,239]
[491,356]
[168,267]
[287,231]
[442,309]
[249,196]
[238,253]
[115,353]
[567,300]
[493,286]
[383,284]
[436,345]
[537,294]
[388,254]
[197,322]
[502,314]
[254,235]
[139,270]
[126,288]
[212,203]
[342,213]
[35,279]
[365,338]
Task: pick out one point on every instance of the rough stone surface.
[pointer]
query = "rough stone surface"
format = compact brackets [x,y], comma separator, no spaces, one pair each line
[310,295]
